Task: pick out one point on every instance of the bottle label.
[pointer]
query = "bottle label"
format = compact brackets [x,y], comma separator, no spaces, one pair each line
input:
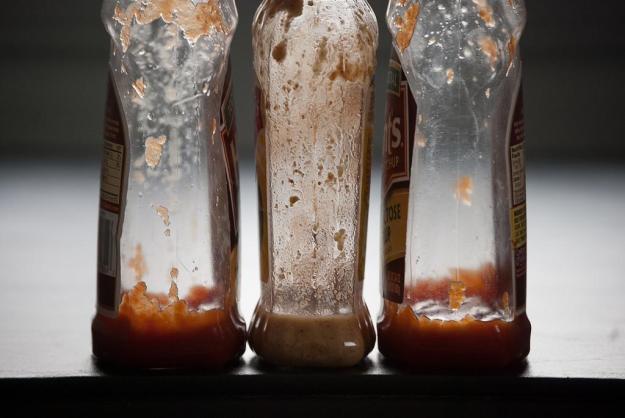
[398,144]
[518,219]
[113,181]
[113,185]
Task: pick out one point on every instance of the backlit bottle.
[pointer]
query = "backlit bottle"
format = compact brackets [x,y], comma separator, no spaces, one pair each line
[314,63]
[168,230]
[454,227]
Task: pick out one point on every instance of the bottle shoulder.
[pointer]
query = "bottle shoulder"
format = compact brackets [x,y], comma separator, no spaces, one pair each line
[274,19]
[442,42]
[318,37]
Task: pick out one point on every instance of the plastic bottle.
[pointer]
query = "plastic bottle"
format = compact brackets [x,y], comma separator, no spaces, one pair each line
[168,231]
[455,229]
[314,62]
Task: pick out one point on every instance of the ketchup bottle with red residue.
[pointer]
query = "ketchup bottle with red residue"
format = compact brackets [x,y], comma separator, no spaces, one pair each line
[454,273]
[168,229]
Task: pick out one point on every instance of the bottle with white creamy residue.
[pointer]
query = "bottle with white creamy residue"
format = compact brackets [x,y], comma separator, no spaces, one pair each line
[314,62]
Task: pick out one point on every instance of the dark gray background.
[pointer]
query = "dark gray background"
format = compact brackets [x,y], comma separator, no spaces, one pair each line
[53,56]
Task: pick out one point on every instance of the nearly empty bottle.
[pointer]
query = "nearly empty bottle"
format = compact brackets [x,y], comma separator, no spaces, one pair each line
[168,237]
[314,63]
[455,266]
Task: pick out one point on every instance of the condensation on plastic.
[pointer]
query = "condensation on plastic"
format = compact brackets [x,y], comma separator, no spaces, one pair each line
[314,63]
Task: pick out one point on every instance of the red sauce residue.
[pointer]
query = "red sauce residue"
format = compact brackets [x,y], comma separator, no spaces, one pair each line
[200,295]
[419,342]
[195,20]
[163,331]
[480,282]
[485,12]
[464,190]
[407,26]
[489,48]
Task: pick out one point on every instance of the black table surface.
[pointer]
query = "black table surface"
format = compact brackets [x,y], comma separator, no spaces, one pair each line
[576,288]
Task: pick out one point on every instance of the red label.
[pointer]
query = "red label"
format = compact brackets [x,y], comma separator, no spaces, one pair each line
[399,127]
[399,133]
[518,217]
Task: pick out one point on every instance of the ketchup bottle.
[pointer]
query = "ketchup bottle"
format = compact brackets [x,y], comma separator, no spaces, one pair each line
[455,226]
[168,230]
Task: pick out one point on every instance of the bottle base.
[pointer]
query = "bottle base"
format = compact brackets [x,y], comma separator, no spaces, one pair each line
[214,342]
[304,341]
[422,343]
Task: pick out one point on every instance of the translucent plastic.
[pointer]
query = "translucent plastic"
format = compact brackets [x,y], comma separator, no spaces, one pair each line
[177,265]
[314,63]
[461,61]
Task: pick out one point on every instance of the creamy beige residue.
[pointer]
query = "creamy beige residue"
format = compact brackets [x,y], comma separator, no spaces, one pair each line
[350,71]
[193,20]
[154,150]
[512,45]
[339,238]
[163,212]
[306,341]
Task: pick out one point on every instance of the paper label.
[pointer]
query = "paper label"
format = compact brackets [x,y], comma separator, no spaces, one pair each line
[113,179]
[398,144]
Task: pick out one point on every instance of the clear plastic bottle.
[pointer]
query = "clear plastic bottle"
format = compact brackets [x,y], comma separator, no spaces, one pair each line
[168,231]
[314,62]
[455,297]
